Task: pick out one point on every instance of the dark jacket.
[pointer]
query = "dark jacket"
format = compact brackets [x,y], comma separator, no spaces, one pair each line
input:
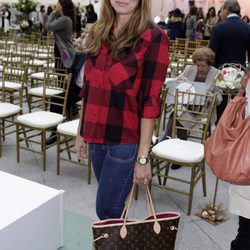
[175,29]
[230,40]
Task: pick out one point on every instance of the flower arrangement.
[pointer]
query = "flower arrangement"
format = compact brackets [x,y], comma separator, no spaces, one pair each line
[229,77]
[26,6]
[213,214]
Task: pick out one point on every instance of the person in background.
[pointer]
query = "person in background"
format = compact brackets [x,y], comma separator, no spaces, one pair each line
[200,25]
[246,19]
[41,14]
[6,16]
[78,22]
[201,71]
[46,15]
[125,69]
[230,40]
[191,23]
[239,197]
[210,21]
[62,23]
[175,25]
[91,16]
[219,18]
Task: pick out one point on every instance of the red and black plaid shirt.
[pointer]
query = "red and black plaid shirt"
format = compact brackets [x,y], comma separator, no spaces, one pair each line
[118,93]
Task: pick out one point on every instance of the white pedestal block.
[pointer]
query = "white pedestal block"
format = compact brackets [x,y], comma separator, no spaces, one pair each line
[31,215]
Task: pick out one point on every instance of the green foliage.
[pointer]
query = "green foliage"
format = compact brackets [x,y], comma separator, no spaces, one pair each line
[26,6]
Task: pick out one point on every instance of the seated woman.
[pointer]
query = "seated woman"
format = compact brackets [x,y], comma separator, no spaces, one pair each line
[201,71]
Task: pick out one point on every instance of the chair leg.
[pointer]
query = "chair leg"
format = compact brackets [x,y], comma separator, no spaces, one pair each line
[190,200]
[17,143]
[166,173]
[25,137]
[3,129]
[164,117]
[68,150]
[58,154]
[1,153]
[89,169]
[204,186]
[43,142]
[29,102]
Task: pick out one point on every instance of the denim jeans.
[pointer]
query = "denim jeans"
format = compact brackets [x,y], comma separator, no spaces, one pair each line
[114,169]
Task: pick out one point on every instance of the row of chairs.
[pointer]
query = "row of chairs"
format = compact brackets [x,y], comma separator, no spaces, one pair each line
[31,128]
[181,51]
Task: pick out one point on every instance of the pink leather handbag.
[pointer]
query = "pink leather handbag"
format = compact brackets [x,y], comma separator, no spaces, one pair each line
[227,151]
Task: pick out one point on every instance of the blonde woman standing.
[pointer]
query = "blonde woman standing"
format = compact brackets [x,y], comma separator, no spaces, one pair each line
[125,68]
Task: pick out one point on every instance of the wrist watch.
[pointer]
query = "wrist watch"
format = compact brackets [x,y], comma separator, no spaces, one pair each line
[142,160]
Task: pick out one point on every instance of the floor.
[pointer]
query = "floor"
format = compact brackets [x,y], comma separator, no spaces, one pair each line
[194,233]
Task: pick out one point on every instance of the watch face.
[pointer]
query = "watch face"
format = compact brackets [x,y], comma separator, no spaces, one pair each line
[142,160]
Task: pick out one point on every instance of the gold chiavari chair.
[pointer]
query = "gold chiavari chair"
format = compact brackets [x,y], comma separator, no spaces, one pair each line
[193,111]
[36,124]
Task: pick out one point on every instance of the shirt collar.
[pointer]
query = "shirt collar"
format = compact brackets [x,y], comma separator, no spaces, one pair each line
[232,15]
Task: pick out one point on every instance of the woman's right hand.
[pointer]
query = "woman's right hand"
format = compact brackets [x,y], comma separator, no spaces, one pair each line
[81,148]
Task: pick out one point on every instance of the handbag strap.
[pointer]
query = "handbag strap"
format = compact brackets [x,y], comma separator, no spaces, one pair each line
[241,92]
[156,227]
[127,203]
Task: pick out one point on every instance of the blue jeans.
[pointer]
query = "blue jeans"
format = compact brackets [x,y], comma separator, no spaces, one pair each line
[114,169]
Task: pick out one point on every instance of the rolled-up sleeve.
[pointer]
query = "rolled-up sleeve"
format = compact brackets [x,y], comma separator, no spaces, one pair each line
[154,74]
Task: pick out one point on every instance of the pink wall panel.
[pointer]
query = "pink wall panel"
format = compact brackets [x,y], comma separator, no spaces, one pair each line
[183,6]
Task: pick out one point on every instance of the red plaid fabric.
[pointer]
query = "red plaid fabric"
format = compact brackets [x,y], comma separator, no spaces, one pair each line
[118,93]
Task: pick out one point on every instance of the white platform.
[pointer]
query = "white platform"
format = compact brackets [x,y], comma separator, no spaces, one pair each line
[31,215]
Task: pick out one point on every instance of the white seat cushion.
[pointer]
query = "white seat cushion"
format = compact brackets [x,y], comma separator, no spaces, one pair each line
[13,59]
[179,150]
[41,75]
[7,109]
[38,75]
[40,119]
[68,128]
[49,92]
[10,85]
[1,68]
[17,72]
[43,55]
[39,62]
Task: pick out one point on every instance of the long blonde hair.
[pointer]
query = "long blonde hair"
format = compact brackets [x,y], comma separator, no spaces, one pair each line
[102,30]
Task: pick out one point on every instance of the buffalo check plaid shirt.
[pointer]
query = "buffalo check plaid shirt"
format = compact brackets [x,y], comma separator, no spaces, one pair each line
[118,93]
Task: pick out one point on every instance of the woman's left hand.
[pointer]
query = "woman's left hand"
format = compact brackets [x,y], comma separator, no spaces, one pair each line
[142,173]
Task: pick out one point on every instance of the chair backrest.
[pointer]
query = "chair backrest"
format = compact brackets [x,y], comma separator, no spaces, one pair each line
[14,75]
[162,108]
[55,90]
[56,65]
[190,49]
[192,113]
[203,43]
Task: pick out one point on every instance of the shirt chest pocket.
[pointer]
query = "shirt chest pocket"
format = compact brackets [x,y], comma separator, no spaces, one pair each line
[123,73]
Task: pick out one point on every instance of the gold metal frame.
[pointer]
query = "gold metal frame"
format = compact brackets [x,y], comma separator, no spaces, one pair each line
[69,142]
[8,122]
